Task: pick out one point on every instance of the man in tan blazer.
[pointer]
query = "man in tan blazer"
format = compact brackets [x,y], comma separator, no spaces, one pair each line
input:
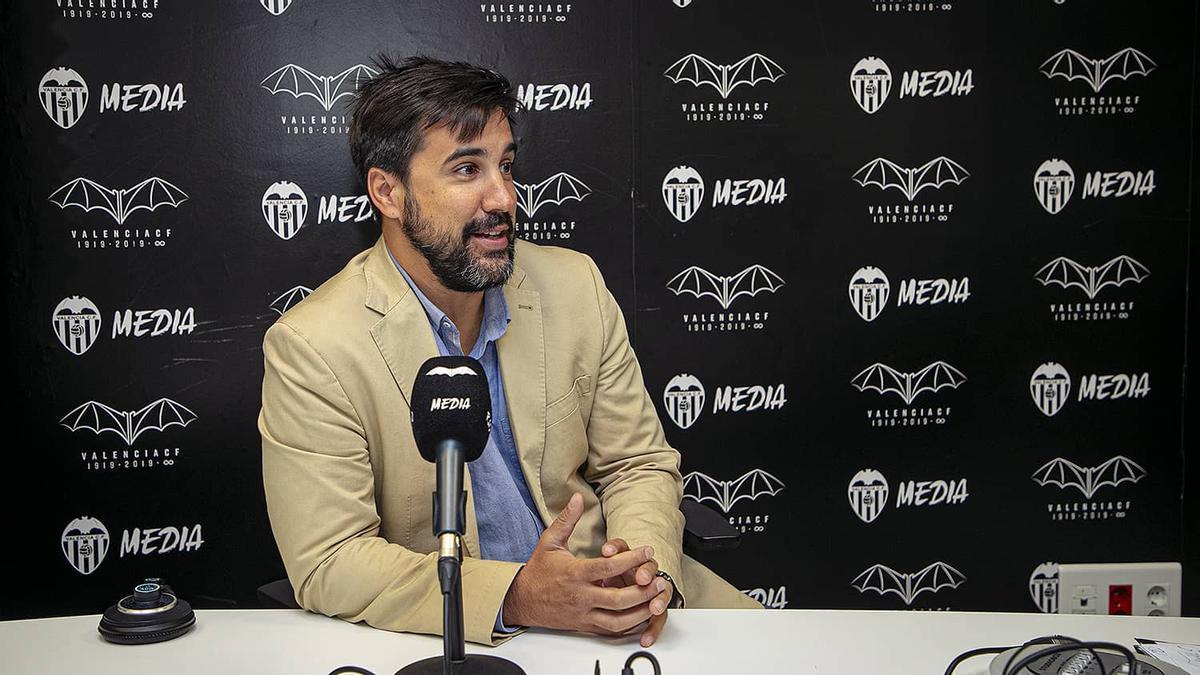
[347,492]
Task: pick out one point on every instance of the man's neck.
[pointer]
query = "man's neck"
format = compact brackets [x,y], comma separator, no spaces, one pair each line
[465,309]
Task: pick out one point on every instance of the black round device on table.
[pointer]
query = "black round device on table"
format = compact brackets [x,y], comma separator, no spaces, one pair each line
[152,614]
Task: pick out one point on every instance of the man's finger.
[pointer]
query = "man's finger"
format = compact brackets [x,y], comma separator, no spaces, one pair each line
[595,569]
[660,603]
[650,635]
[613,547]
[644,574]
[627,597]
[618,622]
[559,531]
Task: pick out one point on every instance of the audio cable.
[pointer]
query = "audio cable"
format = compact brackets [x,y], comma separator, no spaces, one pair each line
[1058,644]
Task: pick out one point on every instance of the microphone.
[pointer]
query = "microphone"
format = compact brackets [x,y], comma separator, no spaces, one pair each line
[451,420]
[451,412]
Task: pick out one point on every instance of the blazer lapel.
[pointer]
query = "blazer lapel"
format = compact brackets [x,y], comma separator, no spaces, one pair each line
[405,340]
[403,335]
[523,365]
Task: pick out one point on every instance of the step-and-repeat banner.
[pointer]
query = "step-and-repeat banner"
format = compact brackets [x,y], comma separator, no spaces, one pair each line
[906,279]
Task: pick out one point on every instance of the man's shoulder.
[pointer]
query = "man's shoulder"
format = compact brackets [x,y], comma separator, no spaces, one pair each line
[333,304]
[554,269]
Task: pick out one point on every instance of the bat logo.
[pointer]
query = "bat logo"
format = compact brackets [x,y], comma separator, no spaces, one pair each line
[1049,386]
[684,398]
[682,3]
[683,192]
[700,71]
[1053,183]
[1043,587]
[76,322]
[324,89]
[908,386]
[868,494]
[90,195]
[887,174]
[64,96]
[290,299]
[450,372]
[884,580]
[725,493]
[1072,65]
[275,7]
[85,543]
[870,83]
[1088,480]
[1067,273]
[869,292]
[554,190]
[284,206]
[699,282]
[156,416]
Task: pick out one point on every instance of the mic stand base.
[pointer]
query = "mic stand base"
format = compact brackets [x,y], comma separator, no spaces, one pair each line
[475,664]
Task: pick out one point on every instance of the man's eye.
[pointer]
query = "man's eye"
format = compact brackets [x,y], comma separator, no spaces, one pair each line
[506,167]
[467,169]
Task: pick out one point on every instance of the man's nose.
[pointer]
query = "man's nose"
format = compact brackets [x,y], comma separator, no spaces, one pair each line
[500,196]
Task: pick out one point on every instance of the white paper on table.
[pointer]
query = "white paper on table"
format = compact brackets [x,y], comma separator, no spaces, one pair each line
[1183,656]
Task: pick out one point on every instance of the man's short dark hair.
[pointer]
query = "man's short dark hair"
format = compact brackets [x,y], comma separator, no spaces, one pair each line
[392,110]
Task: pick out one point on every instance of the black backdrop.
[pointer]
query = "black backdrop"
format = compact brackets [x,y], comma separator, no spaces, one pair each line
[138,455]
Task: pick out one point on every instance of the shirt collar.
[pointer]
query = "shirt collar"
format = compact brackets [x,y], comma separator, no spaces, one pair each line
[495,313]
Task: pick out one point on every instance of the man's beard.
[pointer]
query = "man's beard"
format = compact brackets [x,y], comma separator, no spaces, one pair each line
[451,259]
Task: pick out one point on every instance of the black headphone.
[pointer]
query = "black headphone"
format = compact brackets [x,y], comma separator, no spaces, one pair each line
[152,614]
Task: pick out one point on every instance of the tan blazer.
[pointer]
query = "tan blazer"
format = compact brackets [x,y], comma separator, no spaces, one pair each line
[349,495]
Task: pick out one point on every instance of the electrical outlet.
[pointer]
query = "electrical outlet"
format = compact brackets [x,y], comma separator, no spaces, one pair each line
[1138,589]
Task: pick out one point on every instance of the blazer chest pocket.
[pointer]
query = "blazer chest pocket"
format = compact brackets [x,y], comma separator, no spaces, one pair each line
[567,405]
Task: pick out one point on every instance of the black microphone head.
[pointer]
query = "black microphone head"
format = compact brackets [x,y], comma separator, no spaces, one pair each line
[451,401]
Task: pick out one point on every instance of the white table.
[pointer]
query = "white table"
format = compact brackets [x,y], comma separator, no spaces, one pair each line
[696,641]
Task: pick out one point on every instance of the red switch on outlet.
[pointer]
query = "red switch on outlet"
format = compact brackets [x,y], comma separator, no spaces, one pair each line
[1120,599]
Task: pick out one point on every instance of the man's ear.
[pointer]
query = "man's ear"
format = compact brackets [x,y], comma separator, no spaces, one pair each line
[386,192]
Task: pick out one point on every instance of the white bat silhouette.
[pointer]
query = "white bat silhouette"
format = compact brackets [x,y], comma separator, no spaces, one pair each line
[450,372]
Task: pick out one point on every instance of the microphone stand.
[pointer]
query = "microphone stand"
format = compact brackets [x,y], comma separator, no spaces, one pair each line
[450,578]
[449,523]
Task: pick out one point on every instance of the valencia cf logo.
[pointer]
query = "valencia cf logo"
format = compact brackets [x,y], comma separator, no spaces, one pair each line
[1050,386]
[868,493]
[284,206]
[870,83]
[85,543]
[1043,587]
[1053,183]
[276,7]
[683,192]
[684,398]
[64,96]
[869,292]
[76,322]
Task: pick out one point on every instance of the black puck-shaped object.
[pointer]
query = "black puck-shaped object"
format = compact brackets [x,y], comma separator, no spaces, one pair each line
[152,614]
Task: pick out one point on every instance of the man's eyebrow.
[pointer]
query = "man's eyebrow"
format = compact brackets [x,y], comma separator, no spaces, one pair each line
[472,151]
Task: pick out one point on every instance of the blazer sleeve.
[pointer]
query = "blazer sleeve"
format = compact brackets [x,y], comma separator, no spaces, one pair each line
[636,472]
[320,494]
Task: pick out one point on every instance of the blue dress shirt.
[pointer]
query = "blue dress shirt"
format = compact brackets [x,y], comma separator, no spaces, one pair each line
[509,527]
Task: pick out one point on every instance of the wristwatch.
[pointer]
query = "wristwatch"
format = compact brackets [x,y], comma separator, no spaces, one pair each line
[676,598]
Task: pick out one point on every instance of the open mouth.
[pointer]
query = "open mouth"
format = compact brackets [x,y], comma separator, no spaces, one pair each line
[496,237]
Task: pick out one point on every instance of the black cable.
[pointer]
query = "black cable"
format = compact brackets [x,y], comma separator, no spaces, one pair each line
[1130,660]
[1057,647]
[350,670]
[1045,640]
[1049,639]
[971,654]
[628,669]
